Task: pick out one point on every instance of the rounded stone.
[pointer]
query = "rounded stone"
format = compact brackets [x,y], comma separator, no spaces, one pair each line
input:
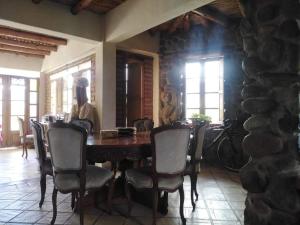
[250,91]
[262,144]
[256,122]
[252,66]
[258,105]
[270,51]
[252,179]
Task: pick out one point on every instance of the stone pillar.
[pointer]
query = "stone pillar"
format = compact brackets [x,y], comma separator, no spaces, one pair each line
[271,38]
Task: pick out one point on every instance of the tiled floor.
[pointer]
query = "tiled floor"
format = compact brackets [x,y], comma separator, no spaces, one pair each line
[221,199]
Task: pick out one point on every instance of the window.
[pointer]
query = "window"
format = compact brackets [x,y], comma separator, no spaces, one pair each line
[17,102]
[33,99]
[68,76]
[204,89]
[53,97]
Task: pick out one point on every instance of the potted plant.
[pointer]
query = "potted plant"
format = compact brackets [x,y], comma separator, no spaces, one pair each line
[199,118]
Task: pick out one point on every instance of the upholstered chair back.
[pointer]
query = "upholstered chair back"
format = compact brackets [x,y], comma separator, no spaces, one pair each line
[143,124]
[21,127]
[84,123]
[170,148]
[66,144]
[200,133]
[38,142]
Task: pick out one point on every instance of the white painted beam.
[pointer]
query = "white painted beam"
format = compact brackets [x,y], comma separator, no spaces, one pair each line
[136,16]
[52,19]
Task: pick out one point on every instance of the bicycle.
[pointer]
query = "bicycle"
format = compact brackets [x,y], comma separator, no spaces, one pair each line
[229,151]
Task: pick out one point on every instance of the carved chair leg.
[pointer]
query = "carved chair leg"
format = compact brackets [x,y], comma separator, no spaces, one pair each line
[54,203]
[26,152]
[155,203]
[81,208]
[110,194]
[195,185]
[192,192]
[128,195]
[73,200]
[23,148]
[43,188]
[181,193]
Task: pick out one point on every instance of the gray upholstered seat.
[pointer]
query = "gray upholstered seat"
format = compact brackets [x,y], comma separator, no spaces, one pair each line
[169,152]
[95,177]
[142,179]
[67,144]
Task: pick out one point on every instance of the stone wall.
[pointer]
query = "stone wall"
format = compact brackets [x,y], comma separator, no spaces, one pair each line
[178,47]
[271,35]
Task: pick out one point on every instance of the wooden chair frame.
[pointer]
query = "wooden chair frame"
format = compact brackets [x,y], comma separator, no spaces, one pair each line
[81,174]
[156,175]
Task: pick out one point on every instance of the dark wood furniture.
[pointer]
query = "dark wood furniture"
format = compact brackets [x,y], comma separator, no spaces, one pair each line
[44,161]
[169,146]
[195,156]
[144,124]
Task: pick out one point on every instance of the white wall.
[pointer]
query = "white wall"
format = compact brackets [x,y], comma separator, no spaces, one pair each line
[14,61]
[73,51]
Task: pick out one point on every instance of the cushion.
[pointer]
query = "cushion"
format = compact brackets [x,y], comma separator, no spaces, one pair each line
[96,177]
[141,178]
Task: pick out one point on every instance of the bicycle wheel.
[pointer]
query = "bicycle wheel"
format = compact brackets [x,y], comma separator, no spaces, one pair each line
[227,155]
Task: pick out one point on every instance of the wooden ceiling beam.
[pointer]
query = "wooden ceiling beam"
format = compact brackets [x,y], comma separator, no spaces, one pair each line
[214,15]
[23,50]
[80,5]
[27,44]
[8,32]
[176,23]
[23,54]
[36,1]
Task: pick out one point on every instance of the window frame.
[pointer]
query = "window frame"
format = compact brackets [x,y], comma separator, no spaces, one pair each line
[202,91]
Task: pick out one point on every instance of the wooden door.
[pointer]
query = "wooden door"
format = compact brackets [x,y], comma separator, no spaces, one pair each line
[134,93]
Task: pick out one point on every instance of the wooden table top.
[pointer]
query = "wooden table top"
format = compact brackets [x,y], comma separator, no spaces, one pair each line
[138,140]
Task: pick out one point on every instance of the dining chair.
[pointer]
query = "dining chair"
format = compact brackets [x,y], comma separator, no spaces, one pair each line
[25,138]
[144,124]
[67,145]
[195,156]
[84,123]
[169,152]
[44,161]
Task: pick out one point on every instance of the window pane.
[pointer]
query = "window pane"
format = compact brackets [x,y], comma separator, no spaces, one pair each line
[190,112]
[212,69]
[192,85]
[1,90]
[33,85]
[14,124]
[33,110]
[192,70]
[87,75]
[85,65]
[16,81]
[192,101]
[17,108]
[212,84]
[17,92]
[33,97]
[212,101]
[214,114]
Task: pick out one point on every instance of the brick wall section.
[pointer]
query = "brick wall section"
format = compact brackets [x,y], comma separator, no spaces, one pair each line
[147,100]
[179,47]
[120,89]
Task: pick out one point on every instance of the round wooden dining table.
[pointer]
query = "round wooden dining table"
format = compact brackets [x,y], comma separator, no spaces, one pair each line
[115,149]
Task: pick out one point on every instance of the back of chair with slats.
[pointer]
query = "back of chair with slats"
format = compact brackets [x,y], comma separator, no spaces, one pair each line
[200,133]
[21,127]
[144,124]
[170,146]
[38,142]
[66,144]
[84,123]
